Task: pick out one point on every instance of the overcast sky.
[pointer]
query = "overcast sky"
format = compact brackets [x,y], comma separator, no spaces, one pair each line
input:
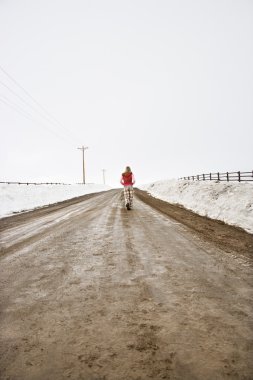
[165,86]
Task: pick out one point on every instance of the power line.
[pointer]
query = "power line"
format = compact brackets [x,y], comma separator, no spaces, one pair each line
[31,106]
[29,95]
[28,116]
[50,118]
[14,106]
[24,101]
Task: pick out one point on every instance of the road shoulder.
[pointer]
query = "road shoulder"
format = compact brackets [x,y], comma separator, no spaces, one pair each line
[228,238]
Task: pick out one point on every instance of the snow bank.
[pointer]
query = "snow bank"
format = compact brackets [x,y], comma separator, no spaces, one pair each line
[15,198]
[230,202]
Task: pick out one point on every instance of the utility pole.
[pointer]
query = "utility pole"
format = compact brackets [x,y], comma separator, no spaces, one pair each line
[83,149]
[103,170]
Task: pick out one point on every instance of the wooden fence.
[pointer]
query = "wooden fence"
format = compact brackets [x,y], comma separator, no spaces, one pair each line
[228,176]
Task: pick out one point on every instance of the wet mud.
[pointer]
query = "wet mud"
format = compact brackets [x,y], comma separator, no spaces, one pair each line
[92,291]
[227,237]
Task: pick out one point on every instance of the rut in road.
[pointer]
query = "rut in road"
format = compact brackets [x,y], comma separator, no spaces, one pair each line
[93,291]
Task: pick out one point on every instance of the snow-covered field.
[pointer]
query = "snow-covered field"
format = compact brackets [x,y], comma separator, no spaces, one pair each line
[231,202]
[15,198]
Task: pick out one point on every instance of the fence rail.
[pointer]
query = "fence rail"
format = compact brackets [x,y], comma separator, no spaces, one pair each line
[227,176]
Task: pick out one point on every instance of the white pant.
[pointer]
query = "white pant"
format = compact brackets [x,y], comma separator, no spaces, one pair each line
[128,194]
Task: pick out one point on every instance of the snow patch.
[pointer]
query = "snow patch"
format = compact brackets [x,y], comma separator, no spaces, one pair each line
[17,198]
[229,202]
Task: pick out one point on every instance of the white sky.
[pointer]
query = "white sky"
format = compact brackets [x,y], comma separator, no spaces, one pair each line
[165,86]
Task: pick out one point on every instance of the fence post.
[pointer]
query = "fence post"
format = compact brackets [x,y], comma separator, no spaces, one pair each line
[203,177]
[210,176]
[227,177]
[239,176]
[218,176]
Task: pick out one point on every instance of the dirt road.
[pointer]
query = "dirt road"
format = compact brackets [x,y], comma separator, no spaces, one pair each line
[92,291]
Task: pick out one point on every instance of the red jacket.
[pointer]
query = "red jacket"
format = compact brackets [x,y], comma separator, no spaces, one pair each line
[127,179]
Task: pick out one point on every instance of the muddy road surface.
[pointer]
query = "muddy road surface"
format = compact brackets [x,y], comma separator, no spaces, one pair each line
[92,291]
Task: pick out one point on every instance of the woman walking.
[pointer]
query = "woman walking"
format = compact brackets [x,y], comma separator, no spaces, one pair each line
[127,180]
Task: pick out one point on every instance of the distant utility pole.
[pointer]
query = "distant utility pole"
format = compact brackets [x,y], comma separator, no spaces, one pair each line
[103,170]
[83,149]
